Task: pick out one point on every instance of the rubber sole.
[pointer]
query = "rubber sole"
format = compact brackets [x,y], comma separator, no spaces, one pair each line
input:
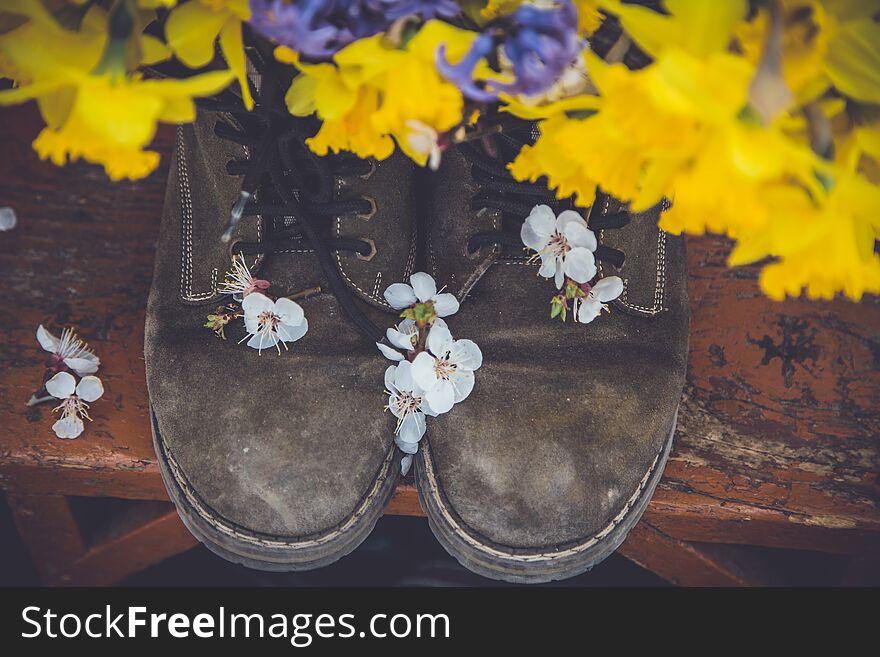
[266,552]
[519,566]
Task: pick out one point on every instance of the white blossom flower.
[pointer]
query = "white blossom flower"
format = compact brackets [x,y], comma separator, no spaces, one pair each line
[446,371]
[407,403]
[423,139]
[75,401]
[422,289]
[269,323]
[69,350]
[8,219]
[564,244]
[405,337]
[607,289]
[240,282]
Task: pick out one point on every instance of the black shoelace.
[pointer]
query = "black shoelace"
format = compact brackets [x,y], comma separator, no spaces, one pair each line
[290,187]
[515,200]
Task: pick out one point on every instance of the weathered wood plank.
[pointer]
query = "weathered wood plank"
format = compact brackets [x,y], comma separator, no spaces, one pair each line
[48,528]
[690,564]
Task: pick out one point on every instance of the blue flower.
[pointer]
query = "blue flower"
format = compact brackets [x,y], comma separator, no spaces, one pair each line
[317,29]
[537,44]
[427,9]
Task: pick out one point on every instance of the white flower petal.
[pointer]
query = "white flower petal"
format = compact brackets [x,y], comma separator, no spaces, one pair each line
[400,296]
[423,372]
[256,303]
[289,311]
[83,366]
[412,428]
[588,311]
[542,221]
[405,464]
[426,408]
[388,352]
[47,341]
[262,341]
[466,355]
[406,448]
[439,340]
[463,384]
[62,385]
[559,274]
[251,324]
[403,378]
[399,339]
[532,239]
[441,397]
[608,289]
[69,426]
[389,378]
[580,264]
[423,285]
[548,265]
[90,388]
[577,234]
[567,217]
[290,333]
[445,304]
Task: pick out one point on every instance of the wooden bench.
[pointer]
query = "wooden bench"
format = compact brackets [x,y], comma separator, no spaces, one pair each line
[778,441]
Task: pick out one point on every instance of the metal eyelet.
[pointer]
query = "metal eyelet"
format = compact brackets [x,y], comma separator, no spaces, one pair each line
[232,244]
[366,176]
[372,252]
[366,216]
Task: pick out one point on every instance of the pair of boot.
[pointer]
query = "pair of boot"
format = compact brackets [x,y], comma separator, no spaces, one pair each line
[285,462]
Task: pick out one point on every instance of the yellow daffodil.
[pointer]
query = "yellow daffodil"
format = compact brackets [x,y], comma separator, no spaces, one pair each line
[93,109]
[825,43]
[823,246]
[376,93]
[193,27]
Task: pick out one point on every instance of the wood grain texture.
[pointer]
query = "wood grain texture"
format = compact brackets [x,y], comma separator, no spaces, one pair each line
[778,432]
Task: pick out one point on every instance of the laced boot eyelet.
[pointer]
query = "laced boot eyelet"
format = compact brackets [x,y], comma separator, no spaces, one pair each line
[366,216]
[368,174]
[372,252]
[234,242]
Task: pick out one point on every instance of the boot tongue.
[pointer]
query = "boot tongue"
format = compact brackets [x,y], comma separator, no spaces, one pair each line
[644,267]
[452,222]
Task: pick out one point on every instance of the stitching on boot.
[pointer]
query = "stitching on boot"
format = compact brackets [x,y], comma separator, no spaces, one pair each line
[660,286]
[373,296]
[186,252]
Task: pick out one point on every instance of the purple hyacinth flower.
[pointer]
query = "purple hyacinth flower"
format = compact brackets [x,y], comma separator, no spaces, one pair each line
[304,26]
[317,29]
[427,9]
[538,43]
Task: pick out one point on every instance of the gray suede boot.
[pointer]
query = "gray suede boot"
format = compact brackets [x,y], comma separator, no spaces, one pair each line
[268,440]
[553,458]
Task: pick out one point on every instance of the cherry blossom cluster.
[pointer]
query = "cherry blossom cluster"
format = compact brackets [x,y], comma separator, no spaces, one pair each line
[565,246]
[433,371]
[69,357]
[268,323]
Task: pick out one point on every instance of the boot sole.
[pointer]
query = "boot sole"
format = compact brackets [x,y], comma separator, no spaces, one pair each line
[519,566]
[267,552]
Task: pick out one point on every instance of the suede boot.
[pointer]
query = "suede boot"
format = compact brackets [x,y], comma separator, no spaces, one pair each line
[278,461]
[553,458]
